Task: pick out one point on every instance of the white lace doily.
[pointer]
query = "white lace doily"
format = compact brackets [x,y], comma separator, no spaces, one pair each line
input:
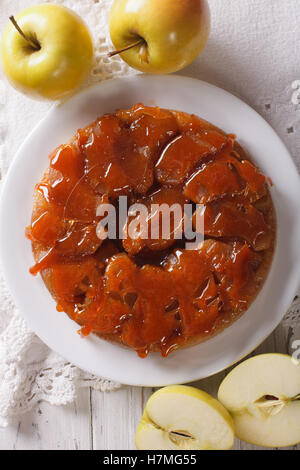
[29,371]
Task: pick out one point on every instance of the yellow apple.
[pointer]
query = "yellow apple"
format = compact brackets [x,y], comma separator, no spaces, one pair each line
[169,34]
[184,418]
[50,55]
[263,396]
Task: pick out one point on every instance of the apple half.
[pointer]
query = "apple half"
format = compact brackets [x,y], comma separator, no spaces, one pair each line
[184,418]
[263,396]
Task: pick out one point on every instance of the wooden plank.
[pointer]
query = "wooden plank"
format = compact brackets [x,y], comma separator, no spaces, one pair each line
[50,427]
[116,416]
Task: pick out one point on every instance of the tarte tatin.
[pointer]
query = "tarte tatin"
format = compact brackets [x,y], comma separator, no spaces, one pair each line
[152,295]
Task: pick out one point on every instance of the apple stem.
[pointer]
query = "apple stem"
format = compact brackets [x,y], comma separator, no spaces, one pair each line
[119,51]
[35,45]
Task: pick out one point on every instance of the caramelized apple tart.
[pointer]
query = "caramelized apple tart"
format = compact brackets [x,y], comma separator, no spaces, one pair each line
[152,294]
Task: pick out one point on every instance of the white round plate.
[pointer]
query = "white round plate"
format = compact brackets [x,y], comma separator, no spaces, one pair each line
[111,360]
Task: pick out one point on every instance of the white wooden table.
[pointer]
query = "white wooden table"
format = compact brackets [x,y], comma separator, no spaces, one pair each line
[108,420]
[104,421]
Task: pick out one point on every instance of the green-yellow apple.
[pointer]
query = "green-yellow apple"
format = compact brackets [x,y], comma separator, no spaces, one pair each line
[51,53]
[184,418]
[168,34]
[263,396]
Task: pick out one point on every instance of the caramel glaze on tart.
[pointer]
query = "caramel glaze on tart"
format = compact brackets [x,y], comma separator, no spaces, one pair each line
[152,295]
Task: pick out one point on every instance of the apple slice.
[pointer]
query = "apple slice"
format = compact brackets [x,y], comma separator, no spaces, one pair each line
[263,396]
[184,418]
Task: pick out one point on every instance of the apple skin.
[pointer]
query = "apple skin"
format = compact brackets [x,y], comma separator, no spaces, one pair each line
[175,32]
[62,63]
